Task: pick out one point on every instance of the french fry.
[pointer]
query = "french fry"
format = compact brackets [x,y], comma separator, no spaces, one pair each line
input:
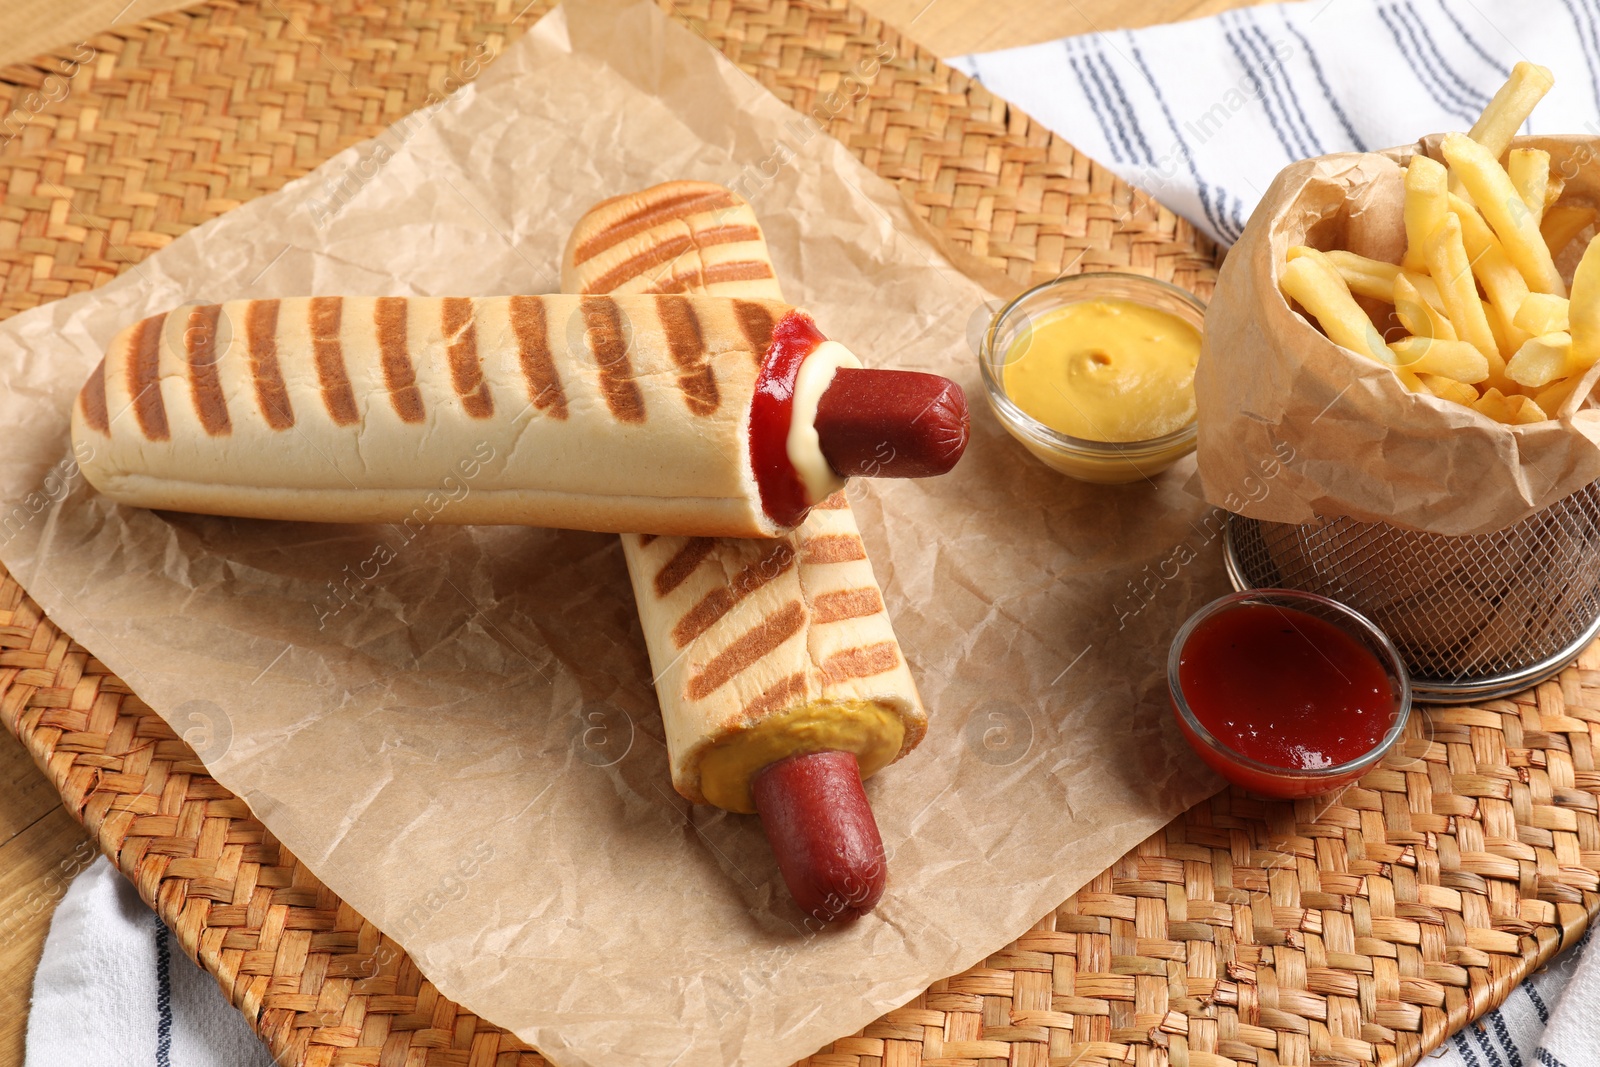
[1447,262]
[1554,186]
[1449,389]
[1503,334]
[1525,409]
[1562,223]
[1529,171]
[1315,284]
[1427,287]
[1542,313]
[1416,314]
[1493,404]
[1512,410]
[1450,359]
[1491,190]
[1513,102]
[1554,395]
[1542,360]
[1427,200]
[1584,311]
[1365,277]
[1490,265]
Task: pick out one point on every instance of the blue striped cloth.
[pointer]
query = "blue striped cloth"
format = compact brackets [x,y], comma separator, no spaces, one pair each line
[113,989]
[1203,114]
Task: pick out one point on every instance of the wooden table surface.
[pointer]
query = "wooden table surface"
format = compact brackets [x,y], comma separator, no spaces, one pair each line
[42,847]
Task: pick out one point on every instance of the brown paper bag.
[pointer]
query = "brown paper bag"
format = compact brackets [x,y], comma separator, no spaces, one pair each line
[1270,383]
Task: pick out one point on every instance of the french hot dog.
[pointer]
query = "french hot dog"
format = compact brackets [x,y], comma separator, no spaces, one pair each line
[588,412]
[780,679]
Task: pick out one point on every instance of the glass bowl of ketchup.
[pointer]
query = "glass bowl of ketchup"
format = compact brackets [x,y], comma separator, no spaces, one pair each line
[1287,694]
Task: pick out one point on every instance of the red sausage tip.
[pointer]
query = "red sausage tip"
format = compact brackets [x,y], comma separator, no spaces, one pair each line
[891,423]
[823,834]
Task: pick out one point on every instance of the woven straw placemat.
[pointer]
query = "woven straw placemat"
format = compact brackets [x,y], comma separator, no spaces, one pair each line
[1355,930]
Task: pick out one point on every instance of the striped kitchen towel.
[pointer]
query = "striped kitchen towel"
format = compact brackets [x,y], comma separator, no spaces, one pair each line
[1550,1020]
[114,990]
[1203,114]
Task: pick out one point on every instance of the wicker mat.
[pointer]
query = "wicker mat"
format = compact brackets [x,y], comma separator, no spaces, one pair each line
[1353,931]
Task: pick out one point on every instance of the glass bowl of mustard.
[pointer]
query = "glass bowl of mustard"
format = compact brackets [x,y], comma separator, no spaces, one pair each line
[1094,374]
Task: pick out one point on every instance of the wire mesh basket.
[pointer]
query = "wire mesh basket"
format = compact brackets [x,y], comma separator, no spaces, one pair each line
[1474,617]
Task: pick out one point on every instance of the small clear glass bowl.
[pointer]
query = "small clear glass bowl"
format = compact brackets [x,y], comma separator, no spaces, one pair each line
[1266,779]
[1106,462]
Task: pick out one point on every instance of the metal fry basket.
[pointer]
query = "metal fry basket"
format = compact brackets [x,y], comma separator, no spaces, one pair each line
[1474,617]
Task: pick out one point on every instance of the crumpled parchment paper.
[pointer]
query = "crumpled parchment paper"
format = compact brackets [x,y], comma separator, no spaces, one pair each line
[455,727]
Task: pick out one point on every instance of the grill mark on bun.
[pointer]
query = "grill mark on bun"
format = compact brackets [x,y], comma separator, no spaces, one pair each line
[754,644]
[326,317]
[261,337]
[530,323]
[833,548]
[389,316]
[702,279]
[717,603]
[466,370]
[92,397]
[144,381]
[736,271]
[200,352]
[664,252]
[775,698]
[861,662]
[726,235]
[757,323]
[846,604]
[688,348]
[651,214]
[682,564]
[602,320]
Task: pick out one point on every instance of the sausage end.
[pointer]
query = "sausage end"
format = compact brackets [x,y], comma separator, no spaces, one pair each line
[892,424]
[823,833]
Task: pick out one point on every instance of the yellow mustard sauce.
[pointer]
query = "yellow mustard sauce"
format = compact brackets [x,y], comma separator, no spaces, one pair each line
[1105,370]
[869,729]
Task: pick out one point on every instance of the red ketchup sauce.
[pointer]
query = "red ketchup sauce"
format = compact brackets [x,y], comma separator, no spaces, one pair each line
[783,496]
[1287,689]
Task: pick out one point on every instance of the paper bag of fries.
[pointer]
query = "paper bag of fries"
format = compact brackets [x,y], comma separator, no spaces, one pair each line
[1412,336]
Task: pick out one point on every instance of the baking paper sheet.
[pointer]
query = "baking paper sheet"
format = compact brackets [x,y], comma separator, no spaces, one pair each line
[454,727]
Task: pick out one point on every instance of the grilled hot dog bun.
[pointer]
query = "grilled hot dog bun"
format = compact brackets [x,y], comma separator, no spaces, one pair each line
[584,412]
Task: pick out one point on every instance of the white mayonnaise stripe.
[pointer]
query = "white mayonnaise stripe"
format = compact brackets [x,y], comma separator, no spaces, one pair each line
[803,445]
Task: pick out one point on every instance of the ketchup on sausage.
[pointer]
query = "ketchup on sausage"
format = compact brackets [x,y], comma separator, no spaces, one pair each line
[870,423]
[783,496]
